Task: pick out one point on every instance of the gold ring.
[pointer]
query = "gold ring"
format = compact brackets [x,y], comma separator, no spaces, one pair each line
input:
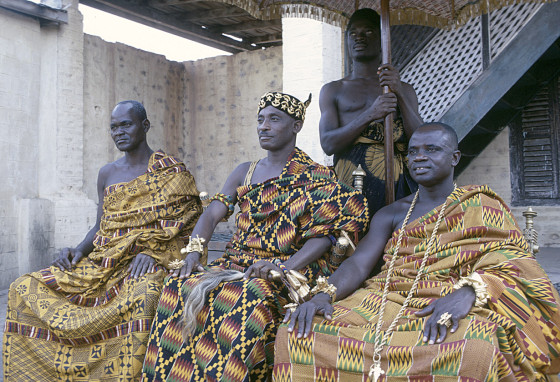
[291,307]
[445,319]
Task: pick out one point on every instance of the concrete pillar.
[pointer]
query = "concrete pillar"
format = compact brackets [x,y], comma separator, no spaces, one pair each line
[35,234]
[312,57]
[61,173]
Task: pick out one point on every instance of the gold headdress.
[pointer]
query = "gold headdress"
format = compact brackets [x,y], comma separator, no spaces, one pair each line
[285,102]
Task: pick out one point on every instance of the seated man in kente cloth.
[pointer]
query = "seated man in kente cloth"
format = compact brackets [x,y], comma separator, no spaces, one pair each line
[460,297]
[88,316]
[290,208]
[353,110]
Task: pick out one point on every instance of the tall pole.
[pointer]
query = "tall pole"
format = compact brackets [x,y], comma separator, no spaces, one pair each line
[389,148]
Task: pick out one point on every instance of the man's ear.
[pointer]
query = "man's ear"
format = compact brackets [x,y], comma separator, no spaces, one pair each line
[456,157]
[146,124]
[298,125]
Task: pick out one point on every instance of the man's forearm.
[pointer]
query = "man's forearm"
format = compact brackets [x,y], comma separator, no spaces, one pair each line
[408,106]
[312,250]
[86,246]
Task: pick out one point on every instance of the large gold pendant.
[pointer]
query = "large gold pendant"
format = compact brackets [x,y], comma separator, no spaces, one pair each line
[375,371]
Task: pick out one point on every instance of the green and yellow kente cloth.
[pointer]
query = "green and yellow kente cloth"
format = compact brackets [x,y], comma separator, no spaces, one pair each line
[516,337]
[369,152]
[92,323]
[234,339]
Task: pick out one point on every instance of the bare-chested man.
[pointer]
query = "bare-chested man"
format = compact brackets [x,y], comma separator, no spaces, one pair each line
[88,316]
[353,109]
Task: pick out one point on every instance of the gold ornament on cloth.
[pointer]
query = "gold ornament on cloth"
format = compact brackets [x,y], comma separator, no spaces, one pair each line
[445,319]
[375,370]
[324,286]
[286,103]
[176,264]
[195,245]
[296,283]
[479,286]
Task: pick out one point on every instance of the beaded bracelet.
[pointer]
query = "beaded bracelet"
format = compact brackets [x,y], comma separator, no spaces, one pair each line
[227,200]
[280,265]
[479,286]
[324,286]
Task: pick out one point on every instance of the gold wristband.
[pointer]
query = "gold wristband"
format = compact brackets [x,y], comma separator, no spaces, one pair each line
[479,286]
[195,245]
[324,286]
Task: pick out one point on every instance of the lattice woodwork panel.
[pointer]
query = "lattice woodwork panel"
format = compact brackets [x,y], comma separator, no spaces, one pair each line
[505,23]
[447,66]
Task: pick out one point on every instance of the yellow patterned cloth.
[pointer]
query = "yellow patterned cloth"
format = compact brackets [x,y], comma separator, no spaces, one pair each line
[515,337]
[92,323]
[235,330]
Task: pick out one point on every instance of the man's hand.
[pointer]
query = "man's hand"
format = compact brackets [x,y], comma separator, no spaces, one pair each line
[261,269]
[141,264]
[383,105]
[389,76]
[458,304]
[192,263]
[303,315]
[68,258]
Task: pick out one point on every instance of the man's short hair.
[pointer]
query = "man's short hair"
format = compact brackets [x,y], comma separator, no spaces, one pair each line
[137,108]
[451,133]
[367,14]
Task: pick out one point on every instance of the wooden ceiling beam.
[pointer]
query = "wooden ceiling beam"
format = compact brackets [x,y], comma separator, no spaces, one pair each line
[268,39]
[201,16]
[135,10]
[248,26]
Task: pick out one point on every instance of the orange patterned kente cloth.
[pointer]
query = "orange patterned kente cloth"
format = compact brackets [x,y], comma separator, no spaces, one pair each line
[235,331]
[92,323]
[515,337]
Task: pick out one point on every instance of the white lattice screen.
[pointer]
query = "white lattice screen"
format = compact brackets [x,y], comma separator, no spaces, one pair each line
[452,60]
[506,23]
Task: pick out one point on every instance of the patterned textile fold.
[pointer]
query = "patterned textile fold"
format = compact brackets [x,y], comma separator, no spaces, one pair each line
[236,329]
[368,151]
[92,323]
[515,337]
[432,13]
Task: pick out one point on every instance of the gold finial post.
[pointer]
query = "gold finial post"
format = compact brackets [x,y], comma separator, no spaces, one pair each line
[358,174]
[531,235]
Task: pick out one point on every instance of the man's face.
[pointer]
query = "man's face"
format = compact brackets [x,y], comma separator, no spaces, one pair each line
[127,130]
[363,40]
[431,156]
[276,128]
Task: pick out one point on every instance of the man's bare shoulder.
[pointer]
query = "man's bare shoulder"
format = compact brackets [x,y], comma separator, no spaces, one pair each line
[395,212]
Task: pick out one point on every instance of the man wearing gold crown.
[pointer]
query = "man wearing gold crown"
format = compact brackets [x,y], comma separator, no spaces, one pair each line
[459,298]
[290,210]
[88,316]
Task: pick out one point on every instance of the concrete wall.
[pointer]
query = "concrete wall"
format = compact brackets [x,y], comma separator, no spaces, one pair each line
[492,167]
[41,108]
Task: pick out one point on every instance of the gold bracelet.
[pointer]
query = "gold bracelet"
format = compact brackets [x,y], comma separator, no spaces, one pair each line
[195,245]
[324,286]
[479,286]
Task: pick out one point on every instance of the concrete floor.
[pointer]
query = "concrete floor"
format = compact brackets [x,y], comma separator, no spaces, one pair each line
[549,258]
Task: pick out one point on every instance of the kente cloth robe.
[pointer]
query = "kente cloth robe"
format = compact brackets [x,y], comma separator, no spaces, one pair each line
[514,337]
[92,323]
[236,328]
